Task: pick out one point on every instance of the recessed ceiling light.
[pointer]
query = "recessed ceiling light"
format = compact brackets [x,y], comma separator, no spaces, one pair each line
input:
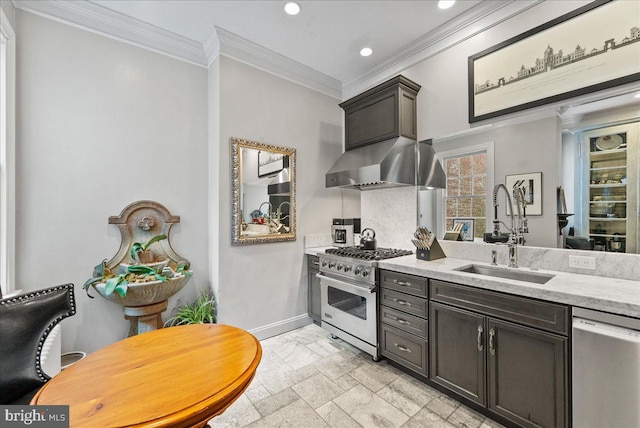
[637,95]
[366,51]
[446,4]
[292,8]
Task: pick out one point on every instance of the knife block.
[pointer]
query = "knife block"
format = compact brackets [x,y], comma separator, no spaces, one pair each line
[434,253]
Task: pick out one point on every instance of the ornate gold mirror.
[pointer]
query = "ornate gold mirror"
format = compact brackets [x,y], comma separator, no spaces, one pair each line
[263,192]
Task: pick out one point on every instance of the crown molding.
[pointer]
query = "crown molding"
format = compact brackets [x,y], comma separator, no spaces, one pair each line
[96,18]
[211,47]
[248,52]
[93,17]
[468,24]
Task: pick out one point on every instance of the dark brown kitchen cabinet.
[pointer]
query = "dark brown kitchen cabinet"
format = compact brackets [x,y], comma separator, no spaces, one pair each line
[403,320]
[404,283]
[383,112]
[458,360]
[404,348]
[527,375]
[513,370]
[313,266]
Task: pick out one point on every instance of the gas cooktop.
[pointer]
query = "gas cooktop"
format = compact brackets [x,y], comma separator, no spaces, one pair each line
[361,254]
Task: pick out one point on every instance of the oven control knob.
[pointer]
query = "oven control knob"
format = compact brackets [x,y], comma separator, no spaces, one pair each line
[347,268]
[365,273]
[340,266]
[332,265]
[325,264]
[357,270]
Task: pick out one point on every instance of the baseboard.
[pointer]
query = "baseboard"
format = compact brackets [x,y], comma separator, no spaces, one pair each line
[279,327]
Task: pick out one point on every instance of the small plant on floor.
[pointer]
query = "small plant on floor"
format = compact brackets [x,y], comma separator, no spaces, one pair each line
[202,311]
[139,250]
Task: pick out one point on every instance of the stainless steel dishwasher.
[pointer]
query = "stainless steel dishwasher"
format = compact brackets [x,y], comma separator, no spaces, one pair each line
[606,370]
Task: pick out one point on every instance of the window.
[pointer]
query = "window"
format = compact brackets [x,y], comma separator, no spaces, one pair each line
[466,193]
[469,181]
[7,145]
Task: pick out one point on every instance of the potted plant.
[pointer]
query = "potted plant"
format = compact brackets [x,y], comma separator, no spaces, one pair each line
[120,282]
[202,311]
[139,250]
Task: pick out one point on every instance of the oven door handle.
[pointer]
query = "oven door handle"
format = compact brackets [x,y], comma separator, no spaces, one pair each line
[343,284]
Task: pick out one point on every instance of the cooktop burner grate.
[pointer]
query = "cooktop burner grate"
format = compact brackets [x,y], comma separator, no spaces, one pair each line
[359,253]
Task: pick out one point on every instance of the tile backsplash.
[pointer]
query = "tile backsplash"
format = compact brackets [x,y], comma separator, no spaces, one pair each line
[392,214]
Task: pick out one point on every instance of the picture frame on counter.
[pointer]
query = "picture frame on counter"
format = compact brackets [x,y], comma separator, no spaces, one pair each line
[468,227]
[566,57]
[531,183]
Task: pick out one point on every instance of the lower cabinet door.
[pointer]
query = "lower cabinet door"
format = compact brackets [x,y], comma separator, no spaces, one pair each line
[457,358]
[527,375]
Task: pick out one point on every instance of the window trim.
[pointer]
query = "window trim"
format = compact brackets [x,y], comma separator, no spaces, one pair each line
[7,160]
[442,156]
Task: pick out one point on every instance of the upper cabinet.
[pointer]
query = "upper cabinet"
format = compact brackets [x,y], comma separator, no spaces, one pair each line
[611,179]
[383,112]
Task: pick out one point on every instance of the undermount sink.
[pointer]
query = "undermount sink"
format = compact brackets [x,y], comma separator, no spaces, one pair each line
[508,273]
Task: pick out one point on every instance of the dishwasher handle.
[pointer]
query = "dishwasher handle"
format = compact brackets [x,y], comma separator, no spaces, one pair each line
[603,329]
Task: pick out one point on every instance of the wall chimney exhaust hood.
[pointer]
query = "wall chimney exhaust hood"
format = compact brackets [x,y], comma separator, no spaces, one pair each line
[381,141]
[430,173]
[390,163]
[280,185]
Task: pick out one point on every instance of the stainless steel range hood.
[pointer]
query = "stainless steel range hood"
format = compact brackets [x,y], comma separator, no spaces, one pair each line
[390,163]
[430,173]
[381,150]
[280,185]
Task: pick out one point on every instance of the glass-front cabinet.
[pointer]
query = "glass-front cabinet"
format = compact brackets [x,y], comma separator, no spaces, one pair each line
[611,188]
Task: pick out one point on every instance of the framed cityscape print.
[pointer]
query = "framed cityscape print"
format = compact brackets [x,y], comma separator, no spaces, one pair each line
[269,163]
[592,48]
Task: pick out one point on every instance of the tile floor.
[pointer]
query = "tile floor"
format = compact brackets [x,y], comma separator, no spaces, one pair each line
[306,379]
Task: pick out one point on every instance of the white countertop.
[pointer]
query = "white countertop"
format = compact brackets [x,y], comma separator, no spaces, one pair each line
[613,295]
[315,250]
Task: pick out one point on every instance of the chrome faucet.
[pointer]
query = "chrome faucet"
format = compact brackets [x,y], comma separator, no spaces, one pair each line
[515,236]
[270,208]
[523,225]
[279,210]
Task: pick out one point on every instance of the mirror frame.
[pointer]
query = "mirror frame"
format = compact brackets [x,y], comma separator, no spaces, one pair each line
[236,183]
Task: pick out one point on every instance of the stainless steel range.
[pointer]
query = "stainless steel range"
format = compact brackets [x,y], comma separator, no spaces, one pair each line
[348,283]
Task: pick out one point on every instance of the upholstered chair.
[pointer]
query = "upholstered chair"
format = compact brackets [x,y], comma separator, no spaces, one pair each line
[25,322]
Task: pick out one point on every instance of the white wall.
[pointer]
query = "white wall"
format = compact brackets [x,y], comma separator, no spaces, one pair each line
[214,162]
[101,124]
[8,149]
[264,287]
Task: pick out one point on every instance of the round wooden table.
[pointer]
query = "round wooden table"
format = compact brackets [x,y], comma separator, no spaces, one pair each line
[177,376]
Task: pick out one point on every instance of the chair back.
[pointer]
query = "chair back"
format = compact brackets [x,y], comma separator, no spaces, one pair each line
[25,322]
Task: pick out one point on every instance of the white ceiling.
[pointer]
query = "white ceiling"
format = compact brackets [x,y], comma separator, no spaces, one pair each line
[326,35]
[318,48]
